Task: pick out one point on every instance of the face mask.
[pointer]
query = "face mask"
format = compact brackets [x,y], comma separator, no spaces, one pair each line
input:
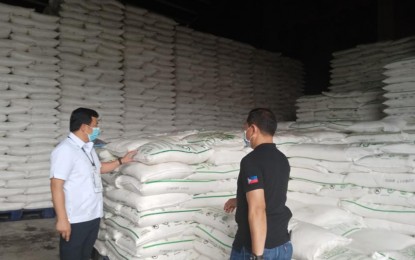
[95,133]
[246,141]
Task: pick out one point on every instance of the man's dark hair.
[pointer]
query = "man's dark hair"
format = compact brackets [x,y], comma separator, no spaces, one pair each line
[264,119]
[81,116]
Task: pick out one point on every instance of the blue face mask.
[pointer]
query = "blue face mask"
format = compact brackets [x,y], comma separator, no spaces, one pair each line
[95,133]
[246,141]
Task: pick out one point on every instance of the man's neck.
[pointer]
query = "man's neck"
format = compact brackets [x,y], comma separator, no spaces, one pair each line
[262,140]
[81,136]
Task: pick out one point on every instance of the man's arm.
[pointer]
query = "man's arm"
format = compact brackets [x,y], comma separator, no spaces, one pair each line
[110,166]
[58,198]
[257,220]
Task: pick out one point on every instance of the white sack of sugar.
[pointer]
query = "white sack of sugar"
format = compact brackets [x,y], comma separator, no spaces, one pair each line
[387,225]
[404,215]
[403,254]
[225,140]
[209,250]
[387,162]
[218,219]
[290,137]
[115,252]
[400,148]
[379,137]
[304,186]
[26,183]
[322,166]
[144,235]
[311,199]
[225,157]
[324,215]
[30,198]
[212,199]
[214,236]
[6,206]
[144,172]
[163,151]
[368,241]
[310,241]
[396,181]
[185,186]
[146,202]
[155,216]
[316,176]
[39,204]
[208,171]
[156,247]
[316,151]
[343,253]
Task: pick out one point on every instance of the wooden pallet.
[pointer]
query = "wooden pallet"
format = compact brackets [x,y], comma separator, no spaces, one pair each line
[15,215]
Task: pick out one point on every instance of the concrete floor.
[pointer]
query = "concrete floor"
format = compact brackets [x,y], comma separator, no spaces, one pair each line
[31,239]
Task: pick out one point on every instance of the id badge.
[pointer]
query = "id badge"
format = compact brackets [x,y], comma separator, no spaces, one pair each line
[97,181]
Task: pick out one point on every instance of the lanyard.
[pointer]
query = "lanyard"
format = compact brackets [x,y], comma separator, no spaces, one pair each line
[90,159]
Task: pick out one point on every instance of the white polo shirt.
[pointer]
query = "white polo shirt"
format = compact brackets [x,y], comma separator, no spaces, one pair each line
[70,163]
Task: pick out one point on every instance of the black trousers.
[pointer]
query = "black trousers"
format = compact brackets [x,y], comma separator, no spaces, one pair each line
[81,242]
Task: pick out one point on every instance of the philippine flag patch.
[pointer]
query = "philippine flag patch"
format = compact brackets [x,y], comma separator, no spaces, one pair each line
[252,179]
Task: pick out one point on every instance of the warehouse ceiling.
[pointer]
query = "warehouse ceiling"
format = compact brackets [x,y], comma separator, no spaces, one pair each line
[273,24]
[308,30]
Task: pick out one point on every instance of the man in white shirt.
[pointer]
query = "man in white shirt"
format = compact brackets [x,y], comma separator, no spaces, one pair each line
[76,185]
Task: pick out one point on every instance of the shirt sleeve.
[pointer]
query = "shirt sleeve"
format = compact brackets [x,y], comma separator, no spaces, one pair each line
[61,163]
[252,177]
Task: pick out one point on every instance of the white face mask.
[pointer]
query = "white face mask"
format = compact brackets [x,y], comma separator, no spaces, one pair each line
[246,141]
[96,131]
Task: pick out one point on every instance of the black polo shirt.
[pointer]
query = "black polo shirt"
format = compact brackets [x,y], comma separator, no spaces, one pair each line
[264,168]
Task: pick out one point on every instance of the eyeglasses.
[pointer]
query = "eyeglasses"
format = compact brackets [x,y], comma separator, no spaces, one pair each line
[92,126]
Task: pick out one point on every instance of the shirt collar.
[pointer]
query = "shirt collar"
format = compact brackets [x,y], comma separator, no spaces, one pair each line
[86,146]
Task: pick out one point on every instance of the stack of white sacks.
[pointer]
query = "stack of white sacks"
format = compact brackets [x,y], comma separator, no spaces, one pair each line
[28,73]
[149,72]
[277,82]
[197,80]
[169,205]
[90,61]
[351,193]
[358,69]
[205,81]
[361,68]
[235,94]
[400,89]
[186,79]
[356,83]
[351,189]
[218,80]
[133,61]
[338,106]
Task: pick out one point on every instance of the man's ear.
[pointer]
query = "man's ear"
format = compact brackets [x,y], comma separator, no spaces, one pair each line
[82,128]
[256,129]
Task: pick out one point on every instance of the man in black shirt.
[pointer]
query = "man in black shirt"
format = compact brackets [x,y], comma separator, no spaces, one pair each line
[261,213]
